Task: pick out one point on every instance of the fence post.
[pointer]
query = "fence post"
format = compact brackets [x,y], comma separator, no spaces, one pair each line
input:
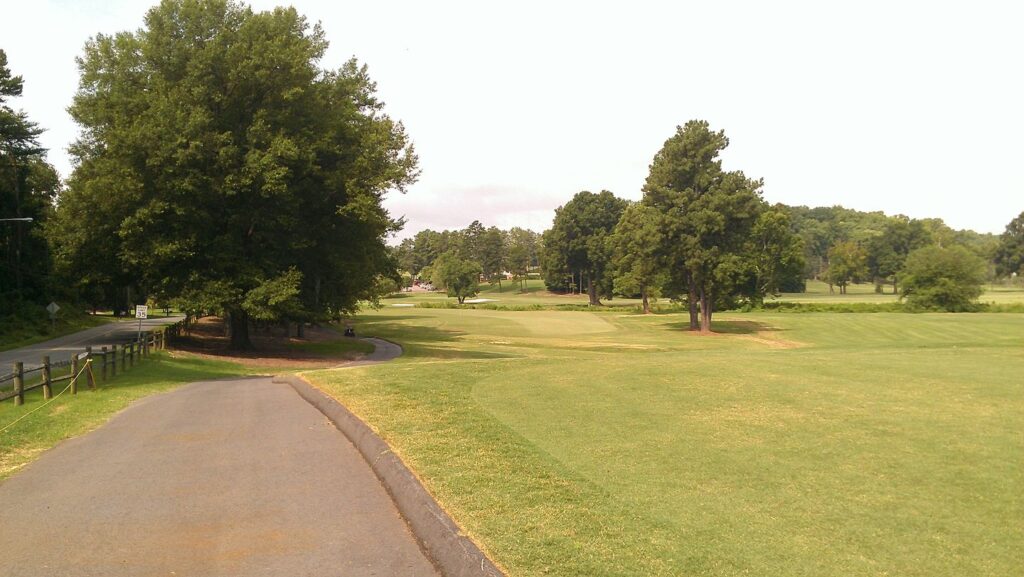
[131,353]
[19,383]
[124,361]
[90,379]
[47,379]
[104,353]
[74,374]
[113,365]
[145,345]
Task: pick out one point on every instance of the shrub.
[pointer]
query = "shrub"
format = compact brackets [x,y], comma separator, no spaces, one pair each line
[938,278]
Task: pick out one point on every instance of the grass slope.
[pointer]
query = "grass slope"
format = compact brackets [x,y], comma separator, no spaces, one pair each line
[577,443]
[20,332]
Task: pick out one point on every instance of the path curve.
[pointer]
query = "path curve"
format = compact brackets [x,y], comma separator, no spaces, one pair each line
[446,544]
[383,351]
[225,478]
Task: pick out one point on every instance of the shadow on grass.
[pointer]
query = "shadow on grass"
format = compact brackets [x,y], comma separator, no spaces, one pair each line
[419,341]
[730,327]
[164,368]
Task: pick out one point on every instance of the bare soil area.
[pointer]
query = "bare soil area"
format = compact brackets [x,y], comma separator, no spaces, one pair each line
[272,347]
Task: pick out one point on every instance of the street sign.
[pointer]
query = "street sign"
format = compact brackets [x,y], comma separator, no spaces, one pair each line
[52,308]
[141,312]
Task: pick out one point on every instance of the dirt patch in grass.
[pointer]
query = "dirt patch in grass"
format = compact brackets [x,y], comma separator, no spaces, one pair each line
[16,459]
[772,341]
[271,347]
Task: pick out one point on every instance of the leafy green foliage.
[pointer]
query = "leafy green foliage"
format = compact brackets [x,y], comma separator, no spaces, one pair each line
[943,278]
[277,298]
[492,254]
[458,276]
[707,213]
[28,186]
[776,255]
[1009,255]
[636,250]
[215,156]
[887,252]
[578,241]
[847,262]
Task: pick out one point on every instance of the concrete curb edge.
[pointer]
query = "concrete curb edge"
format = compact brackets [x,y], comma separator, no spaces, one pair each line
[451,551]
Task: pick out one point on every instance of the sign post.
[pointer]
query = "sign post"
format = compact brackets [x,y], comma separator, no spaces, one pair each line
[141,312]
[52,308]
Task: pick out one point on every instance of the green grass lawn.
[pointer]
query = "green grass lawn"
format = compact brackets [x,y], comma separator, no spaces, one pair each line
[817,292]
[508,293]
[70,416]
[578,443]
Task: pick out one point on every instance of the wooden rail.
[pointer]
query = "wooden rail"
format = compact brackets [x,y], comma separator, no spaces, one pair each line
[103,364]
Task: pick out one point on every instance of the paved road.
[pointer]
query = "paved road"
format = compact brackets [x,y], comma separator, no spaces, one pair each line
[382,351]
[239,478]
[62,348]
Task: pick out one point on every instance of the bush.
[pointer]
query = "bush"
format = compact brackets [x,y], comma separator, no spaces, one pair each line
[938,278]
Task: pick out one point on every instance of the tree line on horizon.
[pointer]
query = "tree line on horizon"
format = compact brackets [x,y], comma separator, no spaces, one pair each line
[705,237]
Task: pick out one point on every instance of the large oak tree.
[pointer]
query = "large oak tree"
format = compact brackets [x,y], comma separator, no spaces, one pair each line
[220,164]
[579,240]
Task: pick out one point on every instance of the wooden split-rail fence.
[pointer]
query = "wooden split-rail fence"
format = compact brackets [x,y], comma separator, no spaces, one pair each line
[89,366]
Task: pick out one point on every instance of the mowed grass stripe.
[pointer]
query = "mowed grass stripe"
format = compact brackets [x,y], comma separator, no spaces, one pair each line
[883,444]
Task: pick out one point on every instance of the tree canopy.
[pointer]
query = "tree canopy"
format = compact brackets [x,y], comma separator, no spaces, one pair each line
[1009,255]
[847,262]
[28,186]
[217,159]
[708,214]
[887,252]
[945,278]
[636,244]
[578,240]
[459,276]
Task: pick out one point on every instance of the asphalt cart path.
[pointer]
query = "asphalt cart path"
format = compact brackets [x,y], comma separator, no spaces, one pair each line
[382,351]
[236,477]
[60,348]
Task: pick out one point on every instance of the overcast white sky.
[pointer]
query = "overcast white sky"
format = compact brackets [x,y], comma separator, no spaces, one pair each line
[905,107]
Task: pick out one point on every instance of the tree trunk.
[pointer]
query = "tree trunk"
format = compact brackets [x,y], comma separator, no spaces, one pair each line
[692,301]
[647,304]
[300,332]
[893,284]
[705,313]
[592,291]
[499,284]
[239,321]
